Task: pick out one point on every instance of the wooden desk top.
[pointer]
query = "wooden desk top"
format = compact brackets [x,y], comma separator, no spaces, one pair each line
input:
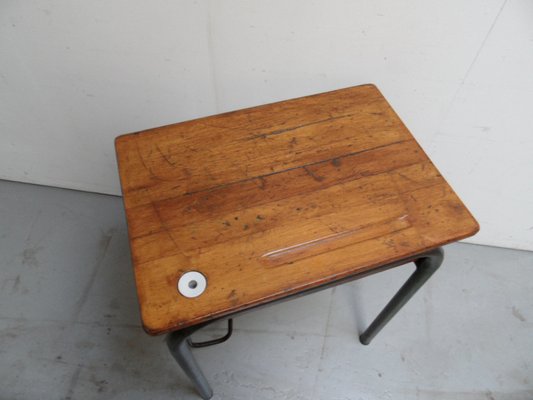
[271,200]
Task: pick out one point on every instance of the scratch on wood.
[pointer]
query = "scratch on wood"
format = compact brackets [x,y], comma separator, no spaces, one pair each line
[313,175]
[166,229]
[293,128]
[144,164]
[260,177]
[165,157]
[406,177]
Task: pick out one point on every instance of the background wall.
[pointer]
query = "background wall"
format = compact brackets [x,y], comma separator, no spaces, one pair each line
[75,74]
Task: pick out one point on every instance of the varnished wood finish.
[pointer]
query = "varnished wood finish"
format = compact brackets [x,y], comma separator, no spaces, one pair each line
[273,200]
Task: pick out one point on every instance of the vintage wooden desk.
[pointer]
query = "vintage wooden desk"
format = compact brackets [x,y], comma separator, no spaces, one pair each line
[238,210]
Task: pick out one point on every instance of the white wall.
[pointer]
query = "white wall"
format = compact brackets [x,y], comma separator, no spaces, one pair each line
[75,74]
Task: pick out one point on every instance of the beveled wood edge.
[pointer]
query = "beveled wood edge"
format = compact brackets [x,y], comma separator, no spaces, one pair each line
[296,294]
[307,289]
[477,227]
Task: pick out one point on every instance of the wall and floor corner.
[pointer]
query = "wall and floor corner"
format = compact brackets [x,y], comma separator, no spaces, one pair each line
[73,75]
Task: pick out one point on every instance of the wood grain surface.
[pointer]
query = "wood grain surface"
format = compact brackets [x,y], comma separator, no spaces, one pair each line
[271,200]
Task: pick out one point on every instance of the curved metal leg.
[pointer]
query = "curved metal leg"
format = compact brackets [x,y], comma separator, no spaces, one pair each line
[178,345]
[426,265]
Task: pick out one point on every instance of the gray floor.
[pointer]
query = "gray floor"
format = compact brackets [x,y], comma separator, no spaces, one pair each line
[69,323]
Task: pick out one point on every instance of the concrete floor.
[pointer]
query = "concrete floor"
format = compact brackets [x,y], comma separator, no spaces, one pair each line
[69,323]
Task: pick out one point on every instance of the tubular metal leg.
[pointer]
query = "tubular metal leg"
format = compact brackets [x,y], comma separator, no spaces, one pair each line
[179,348]
[426,265]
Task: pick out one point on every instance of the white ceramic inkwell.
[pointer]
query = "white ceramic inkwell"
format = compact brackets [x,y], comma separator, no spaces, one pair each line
[192,284]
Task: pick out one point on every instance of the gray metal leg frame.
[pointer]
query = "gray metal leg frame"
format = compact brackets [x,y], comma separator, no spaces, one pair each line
[179,342]
[179,347]
[425,267]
